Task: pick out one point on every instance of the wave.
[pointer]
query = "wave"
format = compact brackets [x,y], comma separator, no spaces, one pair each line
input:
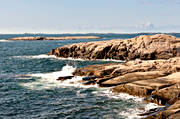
[49,80]
[131,113]
[43,56]
[4,40]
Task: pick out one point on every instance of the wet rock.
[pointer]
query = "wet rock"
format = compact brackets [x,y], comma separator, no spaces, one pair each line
[91,82]
[64,78]
[173,112]
[159,46]
[89,78]
[171,94]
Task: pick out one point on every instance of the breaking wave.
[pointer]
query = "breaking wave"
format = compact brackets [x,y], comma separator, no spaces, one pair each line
[131,113]
[48,81]
[43,56]
[4,40]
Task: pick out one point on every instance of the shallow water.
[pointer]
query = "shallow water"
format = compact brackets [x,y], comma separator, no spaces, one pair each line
[29,89]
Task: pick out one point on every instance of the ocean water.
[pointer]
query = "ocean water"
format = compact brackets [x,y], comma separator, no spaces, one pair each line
[29,89]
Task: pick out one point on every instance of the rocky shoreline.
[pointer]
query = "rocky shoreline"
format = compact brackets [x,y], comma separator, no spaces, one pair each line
[55,38]
[152,69]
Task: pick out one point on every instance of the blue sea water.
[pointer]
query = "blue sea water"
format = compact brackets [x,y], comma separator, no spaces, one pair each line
[29,89]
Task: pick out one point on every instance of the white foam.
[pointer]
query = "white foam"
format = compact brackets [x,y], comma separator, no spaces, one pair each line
[49,80]
[123,96]
[66,71]
[79,59]
[133,113]
[43,56]
[4,40]
[129,113]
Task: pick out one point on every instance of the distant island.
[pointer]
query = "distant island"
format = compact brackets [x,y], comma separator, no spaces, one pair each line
[55,38]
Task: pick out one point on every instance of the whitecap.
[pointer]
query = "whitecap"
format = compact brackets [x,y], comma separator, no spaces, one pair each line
[123,96]
[4,40]
[49,80]
[129,113]
[43,56]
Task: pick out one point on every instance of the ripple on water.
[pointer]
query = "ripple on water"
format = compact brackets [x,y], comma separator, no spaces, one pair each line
[78,101]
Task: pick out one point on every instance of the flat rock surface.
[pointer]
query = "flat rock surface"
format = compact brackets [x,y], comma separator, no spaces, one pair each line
[157,79]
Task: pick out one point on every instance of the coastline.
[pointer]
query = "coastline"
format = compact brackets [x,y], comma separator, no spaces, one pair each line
[155,75]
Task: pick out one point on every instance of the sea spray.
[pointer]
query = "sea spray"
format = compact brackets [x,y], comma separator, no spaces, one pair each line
[130,113]
[48,80]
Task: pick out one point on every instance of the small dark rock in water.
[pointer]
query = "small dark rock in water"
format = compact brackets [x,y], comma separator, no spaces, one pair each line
[92,82]
[88,78]
[64,78]
[150,112]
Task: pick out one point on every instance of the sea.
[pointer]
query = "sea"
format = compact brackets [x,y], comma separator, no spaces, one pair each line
[29,89]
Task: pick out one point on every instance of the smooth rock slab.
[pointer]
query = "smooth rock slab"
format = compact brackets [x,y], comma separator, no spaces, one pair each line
[131,77]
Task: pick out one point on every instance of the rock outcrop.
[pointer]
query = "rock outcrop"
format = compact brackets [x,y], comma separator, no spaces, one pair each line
[156,80]
[55,38]
[155,74]
[160,46]
[173,112]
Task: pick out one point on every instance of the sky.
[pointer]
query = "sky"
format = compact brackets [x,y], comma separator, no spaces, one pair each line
[89,16]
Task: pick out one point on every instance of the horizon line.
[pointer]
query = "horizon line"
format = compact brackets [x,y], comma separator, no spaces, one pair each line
[84,33]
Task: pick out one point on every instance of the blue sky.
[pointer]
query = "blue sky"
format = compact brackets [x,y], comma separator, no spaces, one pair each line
[71,16]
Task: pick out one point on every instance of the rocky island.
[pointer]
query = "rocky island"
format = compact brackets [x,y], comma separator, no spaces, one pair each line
[151,70]
[55,38]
